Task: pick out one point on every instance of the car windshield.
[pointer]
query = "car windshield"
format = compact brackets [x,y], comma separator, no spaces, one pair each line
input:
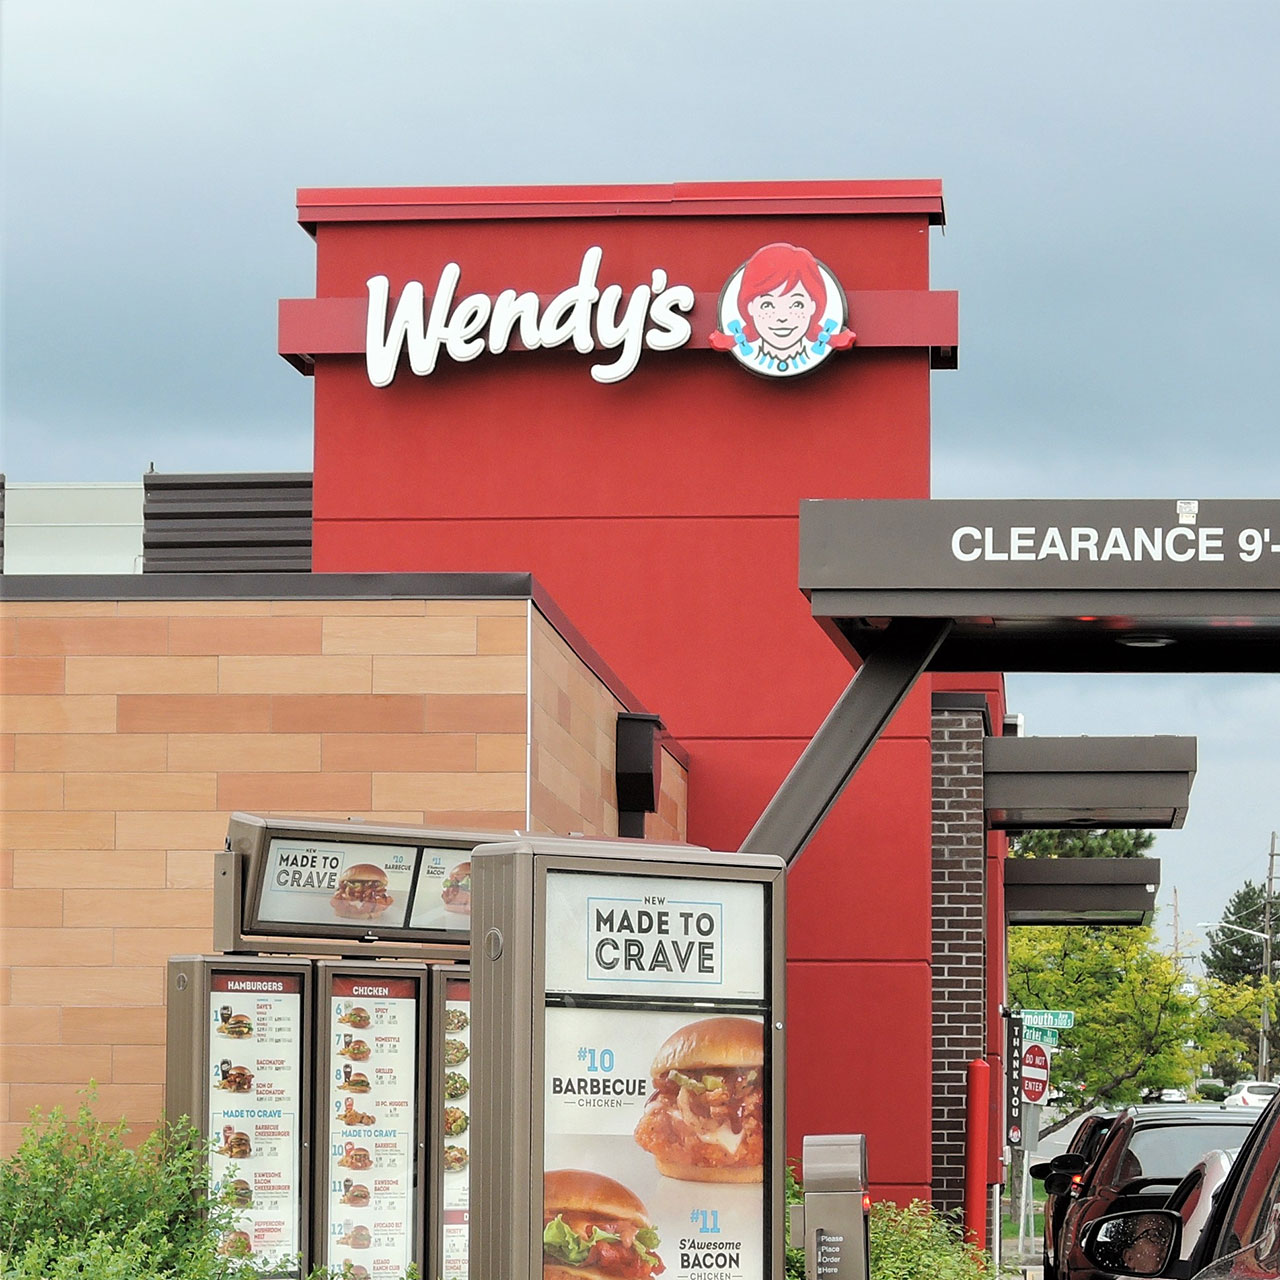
[1168,1151]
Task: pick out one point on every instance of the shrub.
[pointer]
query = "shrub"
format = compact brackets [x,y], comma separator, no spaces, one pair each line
[918,1241]
[75,1195]
[77,1203]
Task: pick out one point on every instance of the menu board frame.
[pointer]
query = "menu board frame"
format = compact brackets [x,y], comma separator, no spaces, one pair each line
[443,979]
[510,977]
[328,1061]
[247,910]
[191,1048]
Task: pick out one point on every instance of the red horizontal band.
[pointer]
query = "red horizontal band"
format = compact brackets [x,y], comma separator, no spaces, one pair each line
[311,327]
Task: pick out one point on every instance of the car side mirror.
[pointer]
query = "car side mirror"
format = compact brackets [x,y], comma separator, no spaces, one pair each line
[1057,1184]
[1070,1162]
[1139,1243]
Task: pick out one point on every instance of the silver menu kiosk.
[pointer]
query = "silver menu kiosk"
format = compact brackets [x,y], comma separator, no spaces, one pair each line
[629,1034]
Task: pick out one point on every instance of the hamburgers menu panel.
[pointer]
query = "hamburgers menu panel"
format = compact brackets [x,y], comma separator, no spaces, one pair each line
[372,1025]
[656,1116]
[254,1116]
[456,1191]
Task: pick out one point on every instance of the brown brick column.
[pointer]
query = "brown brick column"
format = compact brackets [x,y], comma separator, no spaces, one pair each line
[959,934]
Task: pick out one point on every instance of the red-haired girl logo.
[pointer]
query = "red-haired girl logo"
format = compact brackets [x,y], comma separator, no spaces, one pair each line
[782,313]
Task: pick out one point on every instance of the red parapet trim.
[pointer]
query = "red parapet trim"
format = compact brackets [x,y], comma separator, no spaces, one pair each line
[706,199]
[311,327]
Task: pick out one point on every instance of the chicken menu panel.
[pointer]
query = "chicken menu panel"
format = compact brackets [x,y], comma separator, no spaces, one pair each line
[370,1093]
[456,1195]
[655,1076]
[254,1117]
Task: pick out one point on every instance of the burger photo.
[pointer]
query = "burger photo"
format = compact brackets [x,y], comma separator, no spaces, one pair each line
[238,1080]
[357,1272]
[357,1017]
[357,1051]
[455,893]
[235,1244]
[704,1120]
[595,1229]
[362,892]
[356,1195]
[238,1027]
[357,1083]
[239,1193]
[357,1238]
[237,1146]
[356,1158]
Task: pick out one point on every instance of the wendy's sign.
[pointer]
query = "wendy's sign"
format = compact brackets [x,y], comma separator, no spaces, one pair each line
[780,314]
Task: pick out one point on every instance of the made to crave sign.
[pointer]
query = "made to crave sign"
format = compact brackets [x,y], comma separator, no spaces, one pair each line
[781,313]
[655,1116]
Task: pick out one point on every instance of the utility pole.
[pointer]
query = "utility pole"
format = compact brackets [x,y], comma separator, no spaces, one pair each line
[1264,1048]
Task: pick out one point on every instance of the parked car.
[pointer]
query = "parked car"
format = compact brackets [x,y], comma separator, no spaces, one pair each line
[1240,1239]
[1192,1199]
[1147,1152]
[1250,1093]
[1088,1137]
[1165,1095]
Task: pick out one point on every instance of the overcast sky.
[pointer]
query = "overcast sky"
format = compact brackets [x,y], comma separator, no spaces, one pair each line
[1110,175]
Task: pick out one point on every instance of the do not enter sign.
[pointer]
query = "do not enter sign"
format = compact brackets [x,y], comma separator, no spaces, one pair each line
[1035,1073]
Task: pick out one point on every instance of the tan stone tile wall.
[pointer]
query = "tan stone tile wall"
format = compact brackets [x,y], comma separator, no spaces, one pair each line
[573,784]
[130,730]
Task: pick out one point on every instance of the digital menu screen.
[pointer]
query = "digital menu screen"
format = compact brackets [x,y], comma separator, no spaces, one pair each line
[443,897]
[351,888]
[372,1085]
[656,1071]
[255,1123]
[456,1200]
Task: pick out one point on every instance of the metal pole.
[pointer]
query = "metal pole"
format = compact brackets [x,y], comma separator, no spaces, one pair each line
[843,739]
[1264,1046]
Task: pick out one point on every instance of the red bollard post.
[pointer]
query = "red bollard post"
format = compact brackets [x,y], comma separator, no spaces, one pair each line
[977,1128]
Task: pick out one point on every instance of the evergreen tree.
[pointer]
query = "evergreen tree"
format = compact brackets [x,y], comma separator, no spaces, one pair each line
[1079,842]
[1233,955]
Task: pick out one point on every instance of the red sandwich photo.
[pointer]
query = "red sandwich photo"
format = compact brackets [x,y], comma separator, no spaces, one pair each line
[704,1120]
[362,892]
[595,1229]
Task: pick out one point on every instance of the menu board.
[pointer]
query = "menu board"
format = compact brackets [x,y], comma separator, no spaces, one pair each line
[255,1101]
[336,883]
[456,1203]
[320,887]
[656,1071]
[442,899]
[370,1101]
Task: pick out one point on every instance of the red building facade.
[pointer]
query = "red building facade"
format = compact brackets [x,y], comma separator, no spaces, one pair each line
[611,446]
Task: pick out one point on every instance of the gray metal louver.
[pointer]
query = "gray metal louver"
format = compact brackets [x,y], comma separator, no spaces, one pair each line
[253,522]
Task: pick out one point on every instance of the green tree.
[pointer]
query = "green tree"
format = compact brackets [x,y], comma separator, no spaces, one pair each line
[1233,955]
[1072,842]
[1227,1035]
[1136,1012]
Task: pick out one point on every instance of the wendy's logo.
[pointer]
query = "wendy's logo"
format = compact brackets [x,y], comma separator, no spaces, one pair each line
[782,313]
